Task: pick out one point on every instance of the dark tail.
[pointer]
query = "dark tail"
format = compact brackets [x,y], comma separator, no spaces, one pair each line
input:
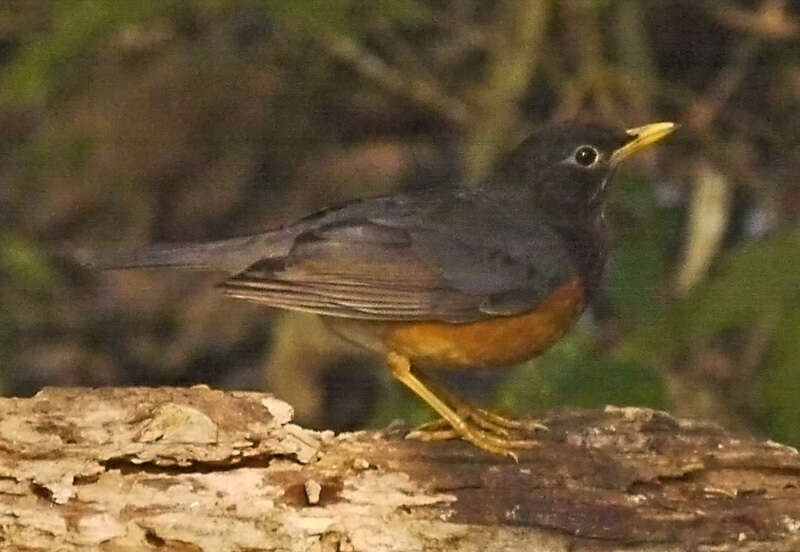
[231,255]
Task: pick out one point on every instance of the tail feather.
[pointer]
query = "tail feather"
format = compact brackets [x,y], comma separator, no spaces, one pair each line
[231,255]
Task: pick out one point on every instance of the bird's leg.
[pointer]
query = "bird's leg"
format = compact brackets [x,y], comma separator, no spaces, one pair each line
[486,419]
[462,427]
[463,408]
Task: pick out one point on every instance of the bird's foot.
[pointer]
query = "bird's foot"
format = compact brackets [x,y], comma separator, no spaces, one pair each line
[460,420]
[470,432]
[483,428]
[486,420]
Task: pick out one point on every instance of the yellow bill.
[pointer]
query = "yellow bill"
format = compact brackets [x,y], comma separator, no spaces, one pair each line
[642,138]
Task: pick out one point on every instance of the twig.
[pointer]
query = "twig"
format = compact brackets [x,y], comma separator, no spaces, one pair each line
[420,90]
[706,107]
[769,22]
[514,52]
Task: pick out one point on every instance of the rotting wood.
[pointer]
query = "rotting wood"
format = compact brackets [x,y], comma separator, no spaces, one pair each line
[199,469]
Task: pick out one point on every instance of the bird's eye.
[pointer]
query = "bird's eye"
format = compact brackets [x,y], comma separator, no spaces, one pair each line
[586,156]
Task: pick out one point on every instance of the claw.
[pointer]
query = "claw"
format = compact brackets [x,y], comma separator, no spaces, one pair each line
[486,430]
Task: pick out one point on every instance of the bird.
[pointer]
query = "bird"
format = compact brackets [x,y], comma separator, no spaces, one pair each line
[452,277]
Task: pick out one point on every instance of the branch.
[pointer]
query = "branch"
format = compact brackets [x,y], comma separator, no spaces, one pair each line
[199,469]
[425,92]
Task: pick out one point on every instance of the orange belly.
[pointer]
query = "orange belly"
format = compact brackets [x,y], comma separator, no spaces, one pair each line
[487,343]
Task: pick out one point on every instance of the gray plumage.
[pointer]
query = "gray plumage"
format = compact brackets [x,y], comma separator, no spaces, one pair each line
[455,255]
[398,258]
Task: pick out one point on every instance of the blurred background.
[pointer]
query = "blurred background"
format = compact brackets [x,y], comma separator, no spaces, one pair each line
[127,122]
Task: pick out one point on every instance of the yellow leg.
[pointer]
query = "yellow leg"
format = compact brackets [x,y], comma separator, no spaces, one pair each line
[465,428]
[486,419]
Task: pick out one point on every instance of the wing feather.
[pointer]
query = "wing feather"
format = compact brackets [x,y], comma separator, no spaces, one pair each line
[398,261]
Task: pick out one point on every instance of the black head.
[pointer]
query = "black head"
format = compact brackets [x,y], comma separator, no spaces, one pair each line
[567,166]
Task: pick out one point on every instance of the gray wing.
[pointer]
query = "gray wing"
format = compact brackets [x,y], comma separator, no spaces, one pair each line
[415,257]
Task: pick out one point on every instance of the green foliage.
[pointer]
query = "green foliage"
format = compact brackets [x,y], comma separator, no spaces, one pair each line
[25,265]
[5,342]
[54,58]
[641,260]
[751,280]
[336,16]
[398,403]
[781,382]
[754,281]
[27,280]
[575,373]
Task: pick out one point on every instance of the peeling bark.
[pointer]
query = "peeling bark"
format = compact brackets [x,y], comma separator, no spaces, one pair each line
[199,469]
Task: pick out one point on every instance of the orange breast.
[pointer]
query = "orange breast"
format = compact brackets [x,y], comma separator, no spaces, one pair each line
[493,342]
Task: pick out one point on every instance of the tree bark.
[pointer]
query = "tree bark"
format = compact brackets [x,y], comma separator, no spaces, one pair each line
[198,469]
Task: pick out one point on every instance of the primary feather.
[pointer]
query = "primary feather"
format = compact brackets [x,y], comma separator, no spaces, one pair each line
[230,255]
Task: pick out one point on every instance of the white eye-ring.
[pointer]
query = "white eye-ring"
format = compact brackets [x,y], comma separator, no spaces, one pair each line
[586,156]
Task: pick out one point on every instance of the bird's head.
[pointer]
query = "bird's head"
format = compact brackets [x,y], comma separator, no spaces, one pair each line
[567,166]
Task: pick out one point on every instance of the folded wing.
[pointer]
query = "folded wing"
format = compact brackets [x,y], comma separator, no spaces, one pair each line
[403,259]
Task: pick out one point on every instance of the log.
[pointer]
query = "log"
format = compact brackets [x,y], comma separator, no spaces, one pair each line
[196,469]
